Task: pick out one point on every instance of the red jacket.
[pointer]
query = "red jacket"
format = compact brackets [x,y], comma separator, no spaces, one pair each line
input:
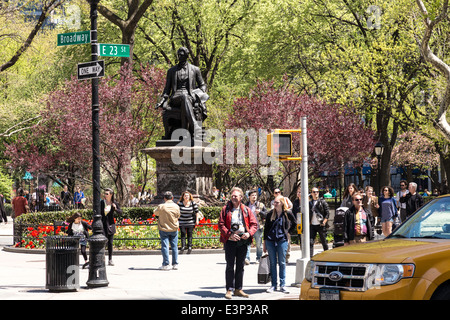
[251,225]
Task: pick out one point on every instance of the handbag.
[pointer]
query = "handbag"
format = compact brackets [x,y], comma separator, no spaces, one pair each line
[199,217]
[264,269]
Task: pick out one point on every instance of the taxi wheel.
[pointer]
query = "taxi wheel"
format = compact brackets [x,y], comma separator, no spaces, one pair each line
[442,293]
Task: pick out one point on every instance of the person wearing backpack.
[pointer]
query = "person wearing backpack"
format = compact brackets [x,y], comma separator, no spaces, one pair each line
[319,213]
[339,227]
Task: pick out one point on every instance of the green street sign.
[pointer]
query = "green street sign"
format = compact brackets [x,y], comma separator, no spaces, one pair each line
[80,37]
[114,50]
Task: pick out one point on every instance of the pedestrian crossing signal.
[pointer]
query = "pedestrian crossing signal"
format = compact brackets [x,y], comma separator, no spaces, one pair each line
[279,144]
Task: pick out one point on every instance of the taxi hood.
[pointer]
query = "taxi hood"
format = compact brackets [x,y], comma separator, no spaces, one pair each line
[384,251]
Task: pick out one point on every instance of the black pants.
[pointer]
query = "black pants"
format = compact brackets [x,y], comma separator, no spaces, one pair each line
[110,245]
[234,255]
[83,252]
[322,235]
[186,231]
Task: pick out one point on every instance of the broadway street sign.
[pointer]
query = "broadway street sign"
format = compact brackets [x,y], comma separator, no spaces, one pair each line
[80,37]
[89,70]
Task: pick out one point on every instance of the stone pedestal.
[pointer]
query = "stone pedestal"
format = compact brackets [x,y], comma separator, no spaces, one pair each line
[182,168]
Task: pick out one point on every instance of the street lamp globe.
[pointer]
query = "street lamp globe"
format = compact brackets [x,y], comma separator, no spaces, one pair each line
[379,148]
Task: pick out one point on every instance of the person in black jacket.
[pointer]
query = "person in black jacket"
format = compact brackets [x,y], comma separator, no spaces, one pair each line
[3,217]
[358,222]
[412,199]
[66,198]
[108,208]
[79,228]
[318,218]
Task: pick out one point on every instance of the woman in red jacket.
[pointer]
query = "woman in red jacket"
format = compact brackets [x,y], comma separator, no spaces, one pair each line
[237,225]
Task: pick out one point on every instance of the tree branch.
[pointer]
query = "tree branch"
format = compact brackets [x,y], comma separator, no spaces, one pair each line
[46,9]
[9,134]
[437,63]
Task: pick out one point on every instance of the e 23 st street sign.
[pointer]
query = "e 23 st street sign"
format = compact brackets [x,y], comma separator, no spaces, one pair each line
[114,50]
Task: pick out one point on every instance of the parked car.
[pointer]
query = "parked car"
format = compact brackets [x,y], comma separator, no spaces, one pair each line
[413,263]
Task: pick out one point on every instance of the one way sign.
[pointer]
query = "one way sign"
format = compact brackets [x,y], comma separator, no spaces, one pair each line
[90,70]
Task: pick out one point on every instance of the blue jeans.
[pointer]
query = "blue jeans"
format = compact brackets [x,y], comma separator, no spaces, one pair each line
[258,241]
[277,254]
[166,239]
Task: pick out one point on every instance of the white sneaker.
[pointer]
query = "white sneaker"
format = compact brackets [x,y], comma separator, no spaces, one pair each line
[284,290]
[271,290]
[166,268]
[175,267]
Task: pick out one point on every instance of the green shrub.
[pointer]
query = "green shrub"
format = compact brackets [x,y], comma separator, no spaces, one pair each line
[132,213]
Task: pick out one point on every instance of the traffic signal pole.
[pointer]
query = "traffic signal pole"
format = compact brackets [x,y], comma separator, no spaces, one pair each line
[283,152]
[304,201]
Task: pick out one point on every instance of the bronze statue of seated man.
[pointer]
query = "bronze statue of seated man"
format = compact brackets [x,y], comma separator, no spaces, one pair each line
[183,99]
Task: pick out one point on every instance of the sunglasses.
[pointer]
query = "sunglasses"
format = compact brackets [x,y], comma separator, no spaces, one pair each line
[315,191]
[358,200]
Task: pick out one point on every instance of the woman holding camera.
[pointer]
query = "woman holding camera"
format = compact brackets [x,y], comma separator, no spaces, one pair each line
[279,222]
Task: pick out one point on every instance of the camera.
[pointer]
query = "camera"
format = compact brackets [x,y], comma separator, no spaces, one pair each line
[235,227]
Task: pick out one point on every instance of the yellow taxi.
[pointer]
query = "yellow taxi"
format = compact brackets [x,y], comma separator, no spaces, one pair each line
[413,263]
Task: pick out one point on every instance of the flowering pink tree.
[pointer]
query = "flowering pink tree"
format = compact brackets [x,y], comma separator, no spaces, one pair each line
[414,150]
[61,145]
[336,134]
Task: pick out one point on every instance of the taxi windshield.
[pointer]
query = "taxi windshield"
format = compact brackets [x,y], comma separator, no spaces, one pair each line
[430,221]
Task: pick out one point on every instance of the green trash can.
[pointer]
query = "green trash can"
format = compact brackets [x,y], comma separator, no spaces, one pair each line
[62,263]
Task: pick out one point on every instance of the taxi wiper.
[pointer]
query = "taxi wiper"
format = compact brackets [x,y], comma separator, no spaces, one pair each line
[428,237]
[397,236]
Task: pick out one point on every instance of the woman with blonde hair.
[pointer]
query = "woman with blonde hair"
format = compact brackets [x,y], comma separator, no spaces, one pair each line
[370,204]
[279,222]
[187,220]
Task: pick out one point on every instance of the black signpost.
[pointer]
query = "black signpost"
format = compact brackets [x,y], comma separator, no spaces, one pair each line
[97,242]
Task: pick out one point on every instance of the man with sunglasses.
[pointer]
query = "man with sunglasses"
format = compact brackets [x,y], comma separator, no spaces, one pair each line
[319,214]
[403,192]
[358,227]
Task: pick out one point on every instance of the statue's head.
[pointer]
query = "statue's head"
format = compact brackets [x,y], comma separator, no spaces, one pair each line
[182,54]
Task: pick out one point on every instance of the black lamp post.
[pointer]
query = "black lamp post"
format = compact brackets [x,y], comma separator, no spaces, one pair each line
[379,148]
[97,242]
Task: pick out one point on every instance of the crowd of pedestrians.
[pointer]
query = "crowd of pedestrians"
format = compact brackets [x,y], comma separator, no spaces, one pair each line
[242,222]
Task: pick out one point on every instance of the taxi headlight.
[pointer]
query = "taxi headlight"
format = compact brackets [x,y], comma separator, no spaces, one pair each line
[387,274]
[309,270]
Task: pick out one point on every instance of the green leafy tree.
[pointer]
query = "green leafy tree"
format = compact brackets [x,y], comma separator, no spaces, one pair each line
[360,53]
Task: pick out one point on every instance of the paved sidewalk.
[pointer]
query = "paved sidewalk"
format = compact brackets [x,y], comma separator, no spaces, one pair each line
[200,276]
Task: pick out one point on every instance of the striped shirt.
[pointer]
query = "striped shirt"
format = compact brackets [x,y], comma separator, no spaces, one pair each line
[188,215]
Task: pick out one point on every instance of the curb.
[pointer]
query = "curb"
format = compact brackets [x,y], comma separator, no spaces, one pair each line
[13,249]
